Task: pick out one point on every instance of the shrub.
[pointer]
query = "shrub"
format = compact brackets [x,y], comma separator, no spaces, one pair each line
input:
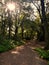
[43,54]
[48,62]
[6,45]
[18,43]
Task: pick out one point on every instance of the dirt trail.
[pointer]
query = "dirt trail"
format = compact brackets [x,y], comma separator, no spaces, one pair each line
[22,55]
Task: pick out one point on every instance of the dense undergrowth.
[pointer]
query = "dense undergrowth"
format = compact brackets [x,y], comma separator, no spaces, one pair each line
[8,44]
[43,53]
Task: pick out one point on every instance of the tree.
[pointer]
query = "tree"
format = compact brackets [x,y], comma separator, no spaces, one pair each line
[9,23]
[46,27]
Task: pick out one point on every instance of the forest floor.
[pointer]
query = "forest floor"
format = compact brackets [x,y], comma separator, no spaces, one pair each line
[23,55]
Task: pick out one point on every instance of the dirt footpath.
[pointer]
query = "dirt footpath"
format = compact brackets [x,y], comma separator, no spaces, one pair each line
[22,55]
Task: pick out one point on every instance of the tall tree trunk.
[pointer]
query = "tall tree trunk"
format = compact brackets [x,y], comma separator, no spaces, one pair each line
[16,31]
[22,31]
[9,30]
[42,26]
[9,23]
[3,27]
[44,20]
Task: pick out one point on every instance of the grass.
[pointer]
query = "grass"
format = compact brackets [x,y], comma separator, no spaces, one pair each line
[7,44]
[43,53]
[48,62]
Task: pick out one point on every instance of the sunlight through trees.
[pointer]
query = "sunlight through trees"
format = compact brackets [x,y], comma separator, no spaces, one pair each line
[24,20]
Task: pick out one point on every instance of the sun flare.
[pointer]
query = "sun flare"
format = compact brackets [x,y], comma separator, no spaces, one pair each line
[11,6]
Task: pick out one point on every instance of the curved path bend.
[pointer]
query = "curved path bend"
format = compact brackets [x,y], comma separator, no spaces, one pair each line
[22,55]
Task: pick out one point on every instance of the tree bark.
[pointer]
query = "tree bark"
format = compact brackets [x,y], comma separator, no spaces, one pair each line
[16,31]
[9,23]
[44,20]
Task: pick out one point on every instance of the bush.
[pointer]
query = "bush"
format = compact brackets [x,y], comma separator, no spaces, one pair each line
[18,43]
[43,54]
[6,45]
[48,62]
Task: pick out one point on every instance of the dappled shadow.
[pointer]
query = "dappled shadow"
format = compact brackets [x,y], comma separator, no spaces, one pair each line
[22,55]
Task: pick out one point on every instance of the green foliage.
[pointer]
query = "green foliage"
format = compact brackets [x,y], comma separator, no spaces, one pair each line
[48,62]
[19,42]
[43,54]
[6,45]
[47,18]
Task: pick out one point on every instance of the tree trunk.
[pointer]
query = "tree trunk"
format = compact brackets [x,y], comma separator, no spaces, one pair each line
[22,31]
[9,23]
[44,20]
[16,31]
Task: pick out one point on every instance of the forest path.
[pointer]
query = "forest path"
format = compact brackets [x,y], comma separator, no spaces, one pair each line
[22,55]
